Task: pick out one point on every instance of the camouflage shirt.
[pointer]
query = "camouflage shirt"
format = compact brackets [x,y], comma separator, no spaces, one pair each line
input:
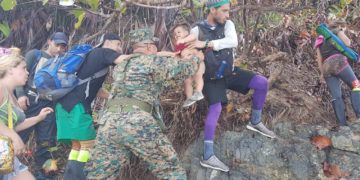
[145,76]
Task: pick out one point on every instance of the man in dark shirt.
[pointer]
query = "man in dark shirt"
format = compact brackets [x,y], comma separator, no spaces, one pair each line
[73,112]
[45,131]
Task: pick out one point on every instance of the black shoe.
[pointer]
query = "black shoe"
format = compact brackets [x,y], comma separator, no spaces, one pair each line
[74,170]
[39,175]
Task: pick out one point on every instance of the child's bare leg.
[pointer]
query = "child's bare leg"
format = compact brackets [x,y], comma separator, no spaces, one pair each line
[188,87]
[198,78]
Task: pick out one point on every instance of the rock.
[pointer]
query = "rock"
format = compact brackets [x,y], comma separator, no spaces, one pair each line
[253,156]
[347,138]
[321,142]
[292,156]
[347,161]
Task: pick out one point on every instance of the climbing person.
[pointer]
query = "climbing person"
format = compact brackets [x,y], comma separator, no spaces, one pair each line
[334,68]
[217,37]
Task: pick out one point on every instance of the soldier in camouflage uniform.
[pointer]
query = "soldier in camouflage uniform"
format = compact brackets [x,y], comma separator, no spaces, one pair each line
[128,126]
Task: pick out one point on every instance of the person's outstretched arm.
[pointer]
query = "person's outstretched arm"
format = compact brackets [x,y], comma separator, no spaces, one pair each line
[176,69]
[319,61]
[123,57]
[341,34]
[229,41]
[190,38]
[29,122]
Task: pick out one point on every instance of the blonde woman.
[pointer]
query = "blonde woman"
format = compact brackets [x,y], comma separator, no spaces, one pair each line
[13,73]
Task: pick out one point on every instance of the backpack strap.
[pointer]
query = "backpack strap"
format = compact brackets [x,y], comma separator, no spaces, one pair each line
[98,74]
[9,110]
[10,116]
[38,55]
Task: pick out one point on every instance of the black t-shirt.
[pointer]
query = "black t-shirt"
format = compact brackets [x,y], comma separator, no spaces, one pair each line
[95,61]
[327,50]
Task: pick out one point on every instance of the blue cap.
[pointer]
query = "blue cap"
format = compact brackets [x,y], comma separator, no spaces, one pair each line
[59,38]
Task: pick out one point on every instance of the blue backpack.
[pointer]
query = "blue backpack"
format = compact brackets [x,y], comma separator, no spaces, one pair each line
[58,77]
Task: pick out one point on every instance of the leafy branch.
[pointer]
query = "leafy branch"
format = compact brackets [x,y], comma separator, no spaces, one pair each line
[271,8]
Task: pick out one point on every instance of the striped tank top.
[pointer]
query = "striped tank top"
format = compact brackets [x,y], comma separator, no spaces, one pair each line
[18,114]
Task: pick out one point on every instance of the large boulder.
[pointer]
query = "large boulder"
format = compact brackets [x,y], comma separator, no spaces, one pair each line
[292,156]
[348,162]
[252,156]
[347,138]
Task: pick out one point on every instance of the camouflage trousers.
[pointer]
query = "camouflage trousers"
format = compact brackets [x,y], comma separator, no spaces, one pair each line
[123,134]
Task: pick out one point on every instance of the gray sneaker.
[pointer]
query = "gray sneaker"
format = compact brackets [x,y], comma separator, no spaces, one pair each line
[197,96]
[260,128]
[188,102]
[214,163]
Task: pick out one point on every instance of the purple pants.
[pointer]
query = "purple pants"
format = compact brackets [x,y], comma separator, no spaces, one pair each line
[260,86]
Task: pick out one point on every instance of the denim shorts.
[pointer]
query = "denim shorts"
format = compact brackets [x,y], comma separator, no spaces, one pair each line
[18,168]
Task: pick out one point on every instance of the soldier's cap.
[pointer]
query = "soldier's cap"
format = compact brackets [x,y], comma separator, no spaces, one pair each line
[59,38]
[216,3]
[144,35]
[108,36]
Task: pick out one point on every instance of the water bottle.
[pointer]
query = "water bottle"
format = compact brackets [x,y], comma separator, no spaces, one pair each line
[220,72]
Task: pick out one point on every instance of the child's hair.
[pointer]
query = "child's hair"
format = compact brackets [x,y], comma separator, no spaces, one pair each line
[184,25]
[9,60]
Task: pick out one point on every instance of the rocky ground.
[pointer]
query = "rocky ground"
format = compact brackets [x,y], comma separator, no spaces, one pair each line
[290,156]
[297,109]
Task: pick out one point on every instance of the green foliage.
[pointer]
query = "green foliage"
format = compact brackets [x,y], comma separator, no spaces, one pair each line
[338,9]
[123,10]
[117,4]
[121,6]
[271,19]
[355,13]
[344,3]
[5,29]
[45,2]
[197,4]
[186,12]
[8,5]
[94,4]
[243,65]
[53,149]
[240,29]
[80,15]
[268,20]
